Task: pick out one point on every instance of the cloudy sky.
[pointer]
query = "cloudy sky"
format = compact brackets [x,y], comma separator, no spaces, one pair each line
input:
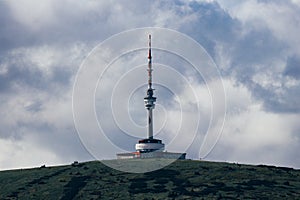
[254,43]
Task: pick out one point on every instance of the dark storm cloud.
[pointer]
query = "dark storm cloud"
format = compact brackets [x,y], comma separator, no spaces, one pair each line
[252,51]
[75,21]
[212,25]
[292,68]
[28,75]
[11,32]
[70,25]
[284,102]
[255,47]
[253,55]
[23,76]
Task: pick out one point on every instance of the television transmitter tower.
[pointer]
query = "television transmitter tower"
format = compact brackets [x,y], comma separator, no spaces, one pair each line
[150,99]
[150,147]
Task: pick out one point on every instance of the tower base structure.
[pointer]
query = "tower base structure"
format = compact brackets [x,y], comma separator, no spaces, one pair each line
[150,148]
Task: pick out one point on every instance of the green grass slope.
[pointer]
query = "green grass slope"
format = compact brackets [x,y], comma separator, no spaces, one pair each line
[181,180]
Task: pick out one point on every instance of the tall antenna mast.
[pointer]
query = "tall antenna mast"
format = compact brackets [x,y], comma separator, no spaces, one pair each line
[149,65]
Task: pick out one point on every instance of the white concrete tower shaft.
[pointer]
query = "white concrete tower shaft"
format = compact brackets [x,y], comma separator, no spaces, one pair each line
[150,99]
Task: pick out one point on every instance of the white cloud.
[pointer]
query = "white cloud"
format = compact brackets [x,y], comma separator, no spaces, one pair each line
[296,2]
[35,15]
[252,135]
[25,153]
[281,18]
[3,69]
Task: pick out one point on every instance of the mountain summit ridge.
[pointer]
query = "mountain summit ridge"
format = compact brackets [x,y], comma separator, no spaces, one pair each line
[186,179]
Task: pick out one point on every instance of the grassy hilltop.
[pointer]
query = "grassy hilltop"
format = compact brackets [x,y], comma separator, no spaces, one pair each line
[185,179]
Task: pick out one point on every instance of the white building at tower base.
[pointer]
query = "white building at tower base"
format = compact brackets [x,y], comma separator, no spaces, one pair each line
[150,148]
